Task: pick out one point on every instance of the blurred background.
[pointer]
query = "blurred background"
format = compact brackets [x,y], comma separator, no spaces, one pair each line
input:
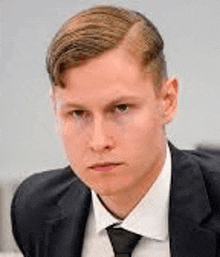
[28,141]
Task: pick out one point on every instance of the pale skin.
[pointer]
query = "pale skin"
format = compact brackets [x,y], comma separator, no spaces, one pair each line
[109,112]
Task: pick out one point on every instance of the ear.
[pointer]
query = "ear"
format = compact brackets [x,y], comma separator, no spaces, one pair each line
[169,94]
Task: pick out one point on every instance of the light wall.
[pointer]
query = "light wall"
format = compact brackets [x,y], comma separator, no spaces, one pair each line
[28,140]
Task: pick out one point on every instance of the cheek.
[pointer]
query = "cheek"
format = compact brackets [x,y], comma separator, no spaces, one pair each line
[67,130]
[70,137]
[143,127]
[142,136]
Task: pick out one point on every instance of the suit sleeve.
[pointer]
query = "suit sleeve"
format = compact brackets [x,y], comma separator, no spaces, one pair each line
[28,215]
[17,225]
[20,218]
[33,208]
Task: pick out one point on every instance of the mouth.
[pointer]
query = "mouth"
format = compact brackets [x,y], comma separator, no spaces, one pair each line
[106,166]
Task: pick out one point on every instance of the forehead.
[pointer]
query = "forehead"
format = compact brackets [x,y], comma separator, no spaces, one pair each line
[113,74]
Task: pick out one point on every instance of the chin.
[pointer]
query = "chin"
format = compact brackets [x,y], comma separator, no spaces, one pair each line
[104,191]
[109,189]
[109,183]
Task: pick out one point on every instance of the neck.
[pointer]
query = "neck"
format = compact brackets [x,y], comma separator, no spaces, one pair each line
[121,204]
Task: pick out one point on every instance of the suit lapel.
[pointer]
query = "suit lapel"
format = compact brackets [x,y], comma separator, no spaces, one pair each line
[67,232]
[189,209]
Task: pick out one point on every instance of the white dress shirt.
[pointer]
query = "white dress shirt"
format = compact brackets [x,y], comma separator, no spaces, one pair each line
[148,219]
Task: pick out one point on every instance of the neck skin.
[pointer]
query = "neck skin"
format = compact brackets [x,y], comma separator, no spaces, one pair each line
[121,205]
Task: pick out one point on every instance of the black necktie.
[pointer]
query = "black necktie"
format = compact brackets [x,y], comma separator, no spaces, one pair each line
[123,242]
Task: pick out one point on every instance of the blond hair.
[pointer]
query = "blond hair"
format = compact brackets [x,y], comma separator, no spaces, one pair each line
[96,30]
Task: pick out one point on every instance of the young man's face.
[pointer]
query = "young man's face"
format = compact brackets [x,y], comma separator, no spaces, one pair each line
[112,124]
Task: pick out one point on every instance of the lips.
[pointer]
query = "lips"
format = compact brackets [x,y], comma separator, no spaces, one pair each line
[104,166]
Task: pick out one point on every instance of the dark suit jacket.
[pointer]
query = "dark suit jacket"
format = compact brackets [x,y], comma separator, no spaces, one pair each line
[50,210]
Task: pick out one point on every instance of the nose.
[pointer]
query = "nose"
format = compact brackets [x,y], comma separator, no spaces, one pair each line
[101,140]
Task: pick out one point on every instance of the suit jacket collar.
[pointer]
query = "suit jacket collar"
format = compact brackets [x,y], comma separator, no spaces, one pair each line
[67,231]
[189,209]
[188,198]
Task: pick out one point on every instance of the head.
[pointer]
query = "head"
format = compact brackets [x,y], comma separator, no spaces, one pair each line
[97,30]
[112,99]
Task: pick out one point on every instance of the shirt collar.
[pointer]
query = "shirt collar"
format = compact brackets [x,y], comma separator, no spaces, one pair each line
[150,217]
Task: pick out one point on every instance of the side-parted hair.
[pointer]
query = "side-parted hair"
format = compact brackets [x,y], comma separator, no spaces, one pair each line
[96,30]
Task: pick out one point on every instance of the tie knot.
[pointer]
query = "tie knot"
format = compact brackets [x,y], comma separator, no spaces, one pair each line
[123,242]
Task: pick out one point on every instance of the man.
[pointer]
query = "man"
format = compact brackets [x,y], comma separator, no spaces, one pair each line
[112,100]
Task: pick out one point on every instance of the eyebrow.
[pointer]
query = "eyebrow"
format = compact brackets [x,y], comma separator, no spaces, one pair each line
[110,104]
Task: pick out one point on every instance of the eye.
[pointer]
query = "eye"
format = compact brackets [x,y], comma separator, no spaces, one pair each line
[78,113]
[122,107]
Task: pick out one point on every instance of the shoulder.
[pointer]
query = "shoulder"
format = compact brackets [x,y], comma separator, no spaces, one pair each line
[203,165]
[37,194]
[209,166]
[35,202]
[207,163]
[43,188]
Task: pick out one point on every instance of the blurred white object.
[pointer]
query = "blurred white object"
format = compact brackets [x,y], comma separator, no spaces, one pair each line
[7,242]
[11,255]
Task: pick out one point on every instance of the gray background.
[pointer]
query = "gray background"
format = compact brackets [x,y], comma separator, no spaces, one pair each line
[191,31]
